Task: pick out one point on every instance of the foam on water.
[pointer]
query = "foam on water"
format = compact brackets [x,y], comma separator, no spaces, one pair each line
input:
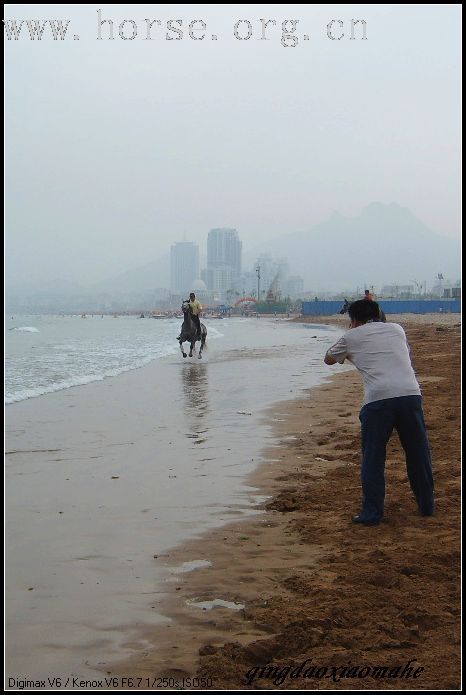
[216,603]
[191,565]
[69,351]
[25,329]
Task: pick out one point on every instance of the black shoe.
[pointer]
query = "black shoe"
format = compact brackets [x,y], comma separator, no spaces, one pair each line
[359,520]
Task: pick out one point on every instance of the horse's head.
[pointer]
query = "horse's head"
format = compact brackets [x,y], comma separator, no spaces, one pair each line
[185,307]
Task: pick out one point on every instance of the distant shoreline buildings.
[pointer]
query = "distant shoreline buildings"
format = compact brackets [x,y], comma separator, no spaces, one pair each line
[413,263]
[222,280]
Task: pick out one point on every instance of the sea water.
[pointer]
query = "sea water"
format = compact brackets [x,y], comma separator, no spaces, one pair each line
[51,353]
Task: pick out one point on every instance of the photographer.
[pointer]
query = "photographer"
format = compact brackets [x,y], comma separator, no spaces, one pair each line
[392,400]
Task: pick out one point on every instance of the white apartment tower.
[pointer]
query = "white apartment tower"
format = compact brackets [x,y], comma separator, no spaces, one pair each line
[223,271]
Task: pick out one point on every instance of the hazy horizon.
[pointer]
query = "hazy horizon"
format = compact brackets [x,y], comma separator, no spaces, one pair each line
[249,256]
[117,149]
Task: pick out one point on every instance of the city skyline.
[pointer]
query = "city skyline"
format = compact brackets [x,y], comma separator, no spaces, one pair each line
[309,262]
[221,277]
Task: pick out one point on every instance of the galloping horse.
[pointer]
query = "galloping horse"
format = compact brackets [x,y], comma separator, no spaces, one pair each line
[347,304]
[189,332]
[345,307]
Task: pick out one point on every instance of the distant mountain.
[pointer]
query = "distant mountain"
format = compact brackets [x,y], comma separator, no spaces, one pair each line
[384,244]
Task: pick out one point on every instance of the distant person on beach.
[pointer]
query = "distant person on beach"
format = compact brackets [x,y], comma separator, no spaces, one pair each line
[368,295]
[196,309]
[392,400]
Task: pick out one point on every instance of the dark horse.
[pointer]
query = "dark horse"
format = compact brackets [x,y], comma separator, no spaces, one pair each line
[189,332]
[347,304]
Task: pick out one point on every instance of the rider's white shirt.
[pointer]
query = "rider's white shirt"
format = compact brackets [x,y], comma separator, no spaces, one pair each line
[381,354]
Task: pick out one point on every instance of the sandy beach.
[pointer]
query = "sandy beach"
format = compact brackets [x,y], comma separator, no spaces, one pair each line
[303,585]
[199,535]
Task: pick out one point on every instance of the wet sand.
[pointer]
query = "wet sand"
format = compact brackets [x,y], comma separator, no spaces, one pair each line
[302,582]
[103,480]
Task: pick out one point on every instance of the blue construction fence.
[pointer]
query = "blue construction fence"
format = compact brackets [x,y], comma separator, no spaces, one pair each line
[395,306]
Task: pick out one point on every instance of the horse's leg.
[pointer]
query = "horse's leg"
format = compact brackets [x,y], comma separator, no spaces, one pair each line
[181,348]
[191,348]
[199,357]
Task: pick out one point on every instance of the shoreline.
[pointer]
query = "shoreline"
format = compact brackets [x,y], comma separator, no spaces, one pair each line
[103,477]
[313,586]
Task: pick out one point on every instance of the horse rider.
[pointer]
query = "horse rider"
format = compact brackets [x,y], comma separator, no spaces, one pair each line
[368,295]
[195,308]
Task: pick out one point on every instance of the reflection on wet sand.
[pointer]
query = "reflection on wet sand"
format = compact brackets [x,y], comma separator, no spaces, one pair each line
[196,398]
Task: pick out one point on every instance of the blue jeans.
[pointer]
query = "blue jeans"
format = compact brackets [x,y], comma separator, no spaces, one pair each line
[378,419]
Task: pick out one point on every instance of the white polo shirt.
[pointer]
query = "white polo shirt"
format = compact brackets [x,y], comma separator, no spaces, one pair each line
[381,353]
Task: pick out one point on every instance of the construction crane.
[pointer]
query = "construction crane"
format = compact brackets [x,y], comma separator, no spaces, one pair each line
[273,293]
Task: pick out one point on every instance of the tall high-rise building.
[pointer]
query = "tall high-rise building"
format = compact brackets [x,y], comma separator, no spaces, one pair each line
[184,265]
[223,271]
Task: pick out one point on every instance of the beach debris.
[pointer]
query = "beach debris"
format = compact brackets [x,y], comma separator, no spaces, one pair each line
[243,412]
[115,477]
[215,603]
[318,458]
[207,650]
[284,502]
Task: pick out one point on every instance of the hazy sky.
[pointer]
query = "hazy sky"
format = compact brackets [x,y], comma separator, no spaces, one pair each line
[115,149]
